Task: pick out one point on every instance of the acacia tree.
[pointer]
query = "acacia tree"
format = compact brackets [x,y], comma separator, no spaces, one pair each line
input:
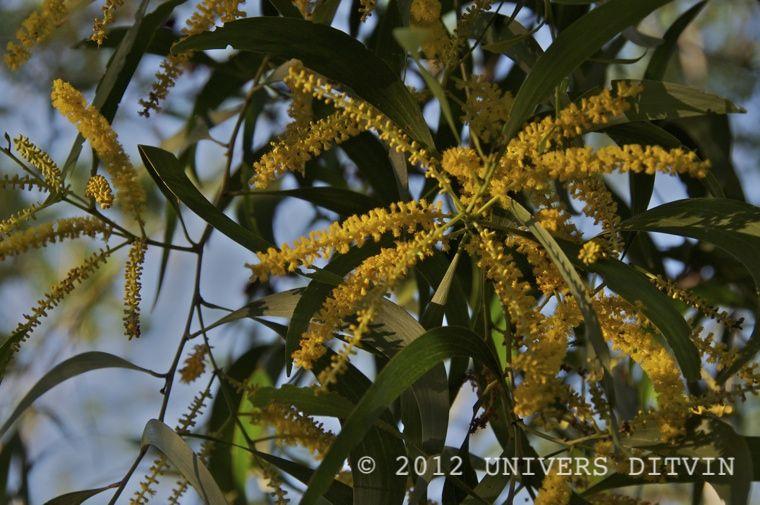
[492,244]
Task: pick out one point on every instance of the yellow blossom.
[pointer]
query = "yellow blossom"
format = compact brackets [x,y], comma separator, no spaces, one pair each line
[99,189]
[631,333]
[600,205]
[292,427]
[543,358]
[132,288]
[53,297]
[340,236]
[23,182]
[508,283]
[555,490]
[486,108]
[372,279]
[15,220]
[689,298]
[425,12]
[96,129]
[41,161]
[366,7]
[195,364]
[206,14]
[35,29]
[99,26]
[548,278]
[302,144]
[48,233]
[339,361]
[366,116]
[590,252]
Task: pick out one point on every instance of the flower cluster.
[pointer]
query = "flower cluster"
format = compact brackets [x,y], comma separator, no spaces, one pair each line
[109,9]
[34,30]
[99,190]
[96,129]
[292,426]
[206,14]
[340,236]
[132,288]
[41,161]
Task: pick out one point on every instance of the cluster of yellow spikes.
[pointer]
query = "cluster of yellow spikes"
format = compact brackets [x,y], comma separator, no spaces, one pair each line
[542,155]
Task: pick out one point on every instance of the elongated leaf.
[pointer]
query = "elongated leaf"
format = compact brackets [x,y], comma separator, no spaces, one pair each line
[72,367]
[338,493]
[78,497]
[240,459]
[327,51]
[307,400]
[572,47]
[664,52]
[634,287]
[169,170]
[732,225]
[403,370]
[372,161]
[163,438]
[667,100]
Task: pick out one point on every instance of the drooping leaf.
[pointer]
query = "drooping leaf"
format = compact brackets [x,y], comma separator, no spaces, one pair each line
[78,497]
[65,370]
[667,100]
[182,457]
[664,52]
[403,370]
[327,51]
[169,170]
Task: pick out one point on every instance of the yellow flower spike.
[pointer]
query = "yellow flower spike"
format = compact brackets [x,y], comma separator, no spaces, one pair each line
[35,30]
[99,25]
[302,144]
[555,490]
[206,14]
[601,206]
[22,182]
[366,116]
[340,236]
[41,161]
[548,278]
[96,129]
[54,296]
[292,427]
[486,109]
[195,364]
[632,334]
[98,189]
[425,12]
[542,360]
[366,7]
[372,279]
[590,252]
[132,288]
[695,301]
[48,233]
[12,222]
[512,290]
[339,361]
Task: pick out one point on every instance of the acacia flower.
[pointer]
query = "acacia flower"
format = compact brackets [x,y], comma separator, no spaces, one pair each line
[98,189]
[35,30]
[96,129]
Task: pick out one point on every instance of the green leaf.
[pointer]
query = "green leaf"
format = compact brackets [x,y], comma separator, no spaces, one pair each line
[329,52]
[163,438]
[78,497]
[571,48]
[664,52]
[168,169]
[341,201]
[667,100]
[241,458]
[731,225]
[307,400]
[72,367]
[657,307]
[403,370]
[372,161]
